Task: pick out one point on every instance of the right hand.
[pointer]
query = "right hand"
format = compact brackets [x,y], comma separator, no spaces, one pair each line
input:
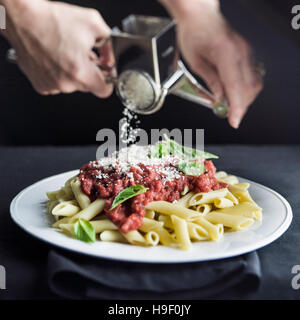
[54,42]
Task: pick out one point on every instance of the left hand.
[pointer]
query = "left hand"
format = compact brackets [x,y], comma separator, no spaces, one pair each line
[218,54]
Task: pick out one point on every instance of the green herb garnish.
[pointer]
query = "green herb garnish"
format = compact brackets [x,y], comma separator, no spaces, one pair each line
[194,168]
[160,150]
[84,231]
[127,194]
[171,147]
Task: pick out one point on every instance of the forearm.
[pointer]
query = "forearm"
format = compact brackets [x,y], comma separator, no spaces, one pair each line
[179,9]
[16,13]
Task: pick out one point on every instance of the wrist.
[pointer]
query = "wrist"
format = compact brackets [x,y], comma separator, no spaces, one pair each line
[177,8]
[15,7]
[180,9]
[19,14]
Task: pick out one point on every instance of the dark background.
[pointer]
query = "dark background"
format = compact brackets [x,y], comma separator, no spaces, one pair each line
[28,118]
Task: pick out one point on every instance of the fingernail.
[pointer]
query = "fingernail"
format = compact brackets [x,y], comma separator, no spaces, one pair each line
[235,122]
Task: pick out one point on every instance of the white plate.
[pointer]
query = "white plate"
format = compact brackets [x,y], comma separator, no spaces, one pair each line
[29,212]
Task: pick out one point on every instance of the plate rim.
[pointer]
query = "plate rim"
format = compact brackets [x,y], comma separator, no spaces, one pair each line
[257,245]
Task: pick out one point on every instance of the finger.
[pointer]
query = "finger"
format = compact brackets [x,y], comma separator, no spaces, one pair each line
[42,86]
[231,73]
[106,54]
[252,73]
[54,92]
[101,29]
[95,82]
[107,60]
[209,74]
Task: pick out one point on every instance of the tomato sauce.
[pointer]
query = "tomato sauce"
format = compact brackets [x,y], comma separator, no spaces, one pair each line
[129,214]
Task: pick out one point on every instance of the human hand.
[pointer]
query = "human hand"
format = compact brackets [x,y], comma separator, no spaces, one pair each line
[53,43]
[217,53]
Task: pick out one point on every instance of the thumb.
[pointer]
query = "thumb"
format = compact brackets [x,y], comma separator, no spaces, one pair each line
[95,81]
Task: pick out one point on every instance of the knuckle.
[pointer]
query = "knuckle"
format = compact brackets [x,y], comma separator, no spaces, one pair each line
[232,50]
[105,92]
[196,65]
[258,86]
[73,69]
[94,16]
[40,90]
[65,87]
[43,92]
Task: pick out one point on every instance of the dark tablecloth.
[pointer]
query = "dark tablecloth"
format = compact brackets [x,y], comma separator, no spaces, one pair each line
[25,258]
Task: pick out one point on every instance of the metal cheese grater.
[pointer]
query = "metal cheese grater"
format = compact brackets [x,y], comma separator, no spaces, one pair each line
[149,67]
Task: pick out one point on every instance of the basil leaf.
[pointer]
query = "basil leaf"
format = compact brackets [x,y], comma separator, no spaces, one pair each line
[187,152]
[127,194]
[160,150]
[172,147]
[84,231]
[194,168]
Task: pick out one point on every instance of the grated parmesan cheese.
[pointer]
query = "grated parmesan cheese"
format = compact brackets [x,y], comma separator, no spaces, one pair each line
[129,127]
[135,156]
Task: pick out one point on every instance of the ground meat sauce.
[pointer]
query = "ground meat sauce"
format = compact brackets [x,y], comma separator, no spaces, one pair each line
[106,182]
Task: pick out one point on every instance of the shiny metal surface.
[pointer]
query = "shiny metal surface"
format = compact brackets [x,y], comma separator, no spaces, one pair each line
[147,45]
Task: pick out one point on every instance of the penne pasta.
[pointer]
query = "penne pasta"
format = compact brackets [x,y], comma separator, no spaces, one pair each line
[166,238]
[152,238]
[83,200]
[245,197]
[52,195]
[150,224]
[203,209]
[185,199]
[172,209]
[68,182]
[230,221]
[51,204]
[215,231]
[99,226]
[66,209]
[207,197]
[185,190]
[87,214]
[196,232]
[220,174]
[244,209]
[239,187]
[65,194]
[166,220]
[231,197]
[150,214]
[67,227]
[134,237]
[102,225]
[229,179]
[223,203]
[112,236]
[181,232]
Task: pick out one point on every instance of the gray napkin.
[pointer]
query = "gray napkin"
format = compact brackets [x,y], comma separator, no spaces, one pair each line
[80,277]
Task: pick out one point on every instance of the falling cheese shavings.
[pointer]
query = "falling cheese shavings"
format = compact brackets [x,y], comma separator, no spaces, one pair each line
[129,127]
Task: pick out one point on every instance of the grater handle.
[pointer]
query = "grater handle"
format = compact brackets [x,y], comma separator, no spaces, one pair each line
[190,89]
